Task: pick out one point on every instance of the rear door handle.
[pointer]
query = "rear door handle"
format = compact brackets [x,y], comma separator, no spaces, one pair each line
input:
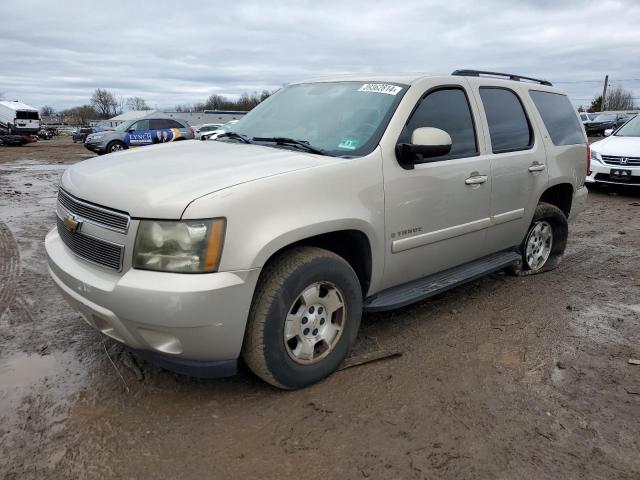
[476,179]
[537,167]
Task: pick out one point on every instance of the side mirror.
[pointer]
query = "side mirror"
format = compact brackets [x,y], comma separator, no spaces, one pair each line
[131,130]
[426,142]
[608,132]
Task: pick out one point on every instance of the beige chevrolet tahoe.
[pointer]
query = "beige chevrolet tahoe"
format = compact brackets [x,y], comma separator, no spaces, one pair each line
[334,197]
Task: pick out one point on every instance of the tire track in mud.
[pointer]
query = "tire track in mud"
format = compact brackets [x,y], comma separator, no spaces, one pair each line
[9,268]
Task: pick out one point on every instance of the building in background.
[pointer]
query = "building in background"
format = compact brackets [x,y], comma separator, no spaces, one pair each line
[193,118]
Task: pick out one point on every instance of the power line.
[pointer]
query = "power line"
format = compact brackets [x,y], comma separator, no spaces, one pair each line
[598,81]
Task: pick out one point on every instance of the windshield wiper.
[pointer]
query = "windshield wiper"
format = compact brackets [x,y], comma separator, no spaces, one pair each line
[303,144]
[235,135]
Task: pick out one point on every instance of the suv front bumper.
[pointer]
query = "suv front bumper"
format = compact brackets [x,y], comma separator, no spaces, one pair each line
[189,323]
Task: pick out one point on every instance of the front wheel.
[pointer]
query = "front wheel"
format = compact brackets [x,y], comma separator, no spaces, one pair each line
[304,318]
[545,241]
[116,146]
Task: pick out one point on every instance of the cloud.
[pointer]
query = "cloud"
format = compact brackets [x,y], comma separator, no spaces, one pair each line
[171,53]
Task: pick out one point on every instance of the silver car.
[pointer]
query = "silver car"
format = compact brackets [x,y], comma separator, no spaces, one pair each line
[331,198]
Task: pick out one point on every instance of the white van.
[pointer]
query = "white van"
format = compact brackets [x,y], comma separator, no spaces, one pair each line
[18,118]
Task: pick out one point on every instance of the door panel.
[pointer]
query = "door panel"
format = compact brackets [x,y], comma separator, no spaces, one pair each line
[140,135]
[437,214]
[518,165]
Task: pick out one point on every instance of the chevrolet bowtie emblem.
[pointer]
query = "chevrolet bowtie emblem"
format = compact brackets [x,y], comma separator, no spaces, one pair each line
[71,223]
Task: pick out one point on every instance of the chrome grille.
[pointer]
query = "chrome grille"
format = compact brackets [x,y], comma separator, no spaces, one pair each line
[630,161]
[92,249]
[89,212]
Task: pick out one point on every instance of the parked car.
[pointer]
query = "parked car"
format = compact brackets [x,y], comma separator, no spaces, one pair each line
[331,198]
[139,133]
[212,135]
[81,134]
[45,134]
[605,121]
[587,117]
[207,127]
[17,118]
[13,140]
[616,159]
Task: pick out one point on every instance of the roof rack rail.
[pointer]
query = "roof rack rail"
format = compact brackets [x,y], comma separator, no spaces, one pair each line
[510,76]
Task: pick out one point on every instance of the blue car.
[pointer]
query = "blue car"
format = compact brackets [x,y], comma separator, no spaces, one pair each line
[138,133]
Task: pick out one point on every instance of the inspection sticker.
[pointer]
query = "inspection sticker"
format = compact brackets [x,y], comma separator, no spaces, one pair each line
[380,88]
[349,143]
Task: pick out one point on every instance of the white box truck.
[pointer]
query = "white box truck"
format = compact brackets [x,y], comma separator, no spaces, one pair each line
[17,118]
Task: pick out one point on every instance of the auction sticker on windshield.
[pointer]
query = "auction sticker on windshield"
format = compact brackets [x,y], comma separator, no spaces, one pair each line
[349,143]
[380,88]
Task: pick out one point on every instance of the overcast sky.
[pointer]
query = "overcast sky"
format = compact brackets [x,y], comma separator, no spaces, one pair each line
[169,52]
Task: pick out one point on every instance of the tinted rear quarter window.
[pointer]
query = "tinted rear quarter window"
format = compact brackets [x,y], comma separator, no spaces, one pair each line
[447,109]
[559,117]
[175,124]
[508,124]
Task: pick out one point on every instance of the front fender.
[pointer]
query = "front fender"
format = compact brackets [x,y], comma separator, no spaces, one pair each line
[268,214]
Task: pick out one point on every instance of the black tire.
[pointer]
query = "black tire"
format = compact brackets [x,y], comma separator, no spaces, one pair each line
[560,229]
[282,281]
[113,146]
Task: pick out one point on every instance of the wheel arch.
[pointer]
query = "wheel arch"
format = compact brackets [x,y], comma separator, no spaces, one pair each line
[559,195]
[353,245]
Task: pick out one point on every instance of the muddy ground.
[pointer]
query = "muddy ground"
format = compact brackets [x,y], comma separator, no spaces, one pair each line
[509,378]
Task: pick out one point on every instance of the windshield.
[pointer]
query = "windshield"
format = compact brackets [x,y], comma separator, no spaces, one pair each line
[340,118]
[630,129]
[605,118]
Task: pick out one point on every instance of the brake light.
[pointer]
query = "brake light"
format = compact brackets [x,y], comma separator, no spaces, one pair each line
[192,130]
[588,159]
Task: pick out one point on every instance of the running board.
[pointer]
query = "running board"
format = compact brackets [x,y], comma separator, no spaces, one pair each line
[425,287]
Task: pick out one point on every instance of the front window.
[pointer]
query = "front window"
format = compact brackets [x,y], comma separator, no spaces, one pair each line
[125,126]
[340,118]
[630,129]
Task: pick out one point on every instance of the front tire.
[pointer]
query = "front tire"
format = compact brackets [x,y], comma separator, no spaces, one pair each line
[545,241]
[116,146]
[304,317]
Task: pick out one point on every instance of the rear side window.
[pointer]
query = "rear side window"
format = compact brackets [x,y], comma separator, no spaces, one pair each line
[559,117]
[161,123]
[448,110]
[175,124]
[508,124]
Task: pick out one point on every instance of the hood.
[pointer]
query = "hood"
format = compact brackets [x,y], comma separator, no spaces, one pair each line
[618,146]
[160,181]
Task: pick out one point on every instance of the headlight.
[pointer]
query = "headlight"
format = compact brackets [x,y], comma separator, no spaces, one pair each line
[191,246]
[596,157]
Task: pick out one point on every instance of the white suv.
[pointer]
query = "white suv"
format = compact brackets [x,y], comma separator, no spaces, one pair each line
[333,197]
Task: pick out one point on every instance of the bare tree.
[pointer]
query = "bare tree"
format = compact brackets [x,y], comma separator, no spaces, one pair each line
[47,111]
[619,99]
[79,115]
[137,103]
[245,102]
[104,102]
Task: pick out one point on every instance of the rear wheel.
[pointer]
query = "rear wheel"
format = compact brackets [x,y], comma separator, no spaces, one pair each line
[304,317]
[116,146]
[545,241]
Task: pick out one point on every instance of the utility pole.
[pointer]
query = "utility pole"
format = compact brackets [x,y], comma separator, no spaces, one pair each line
[604,92]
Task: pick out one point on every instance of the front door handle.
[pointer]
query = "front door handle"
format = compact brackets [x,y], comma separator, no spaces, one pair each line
[537,167]
[476,180]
